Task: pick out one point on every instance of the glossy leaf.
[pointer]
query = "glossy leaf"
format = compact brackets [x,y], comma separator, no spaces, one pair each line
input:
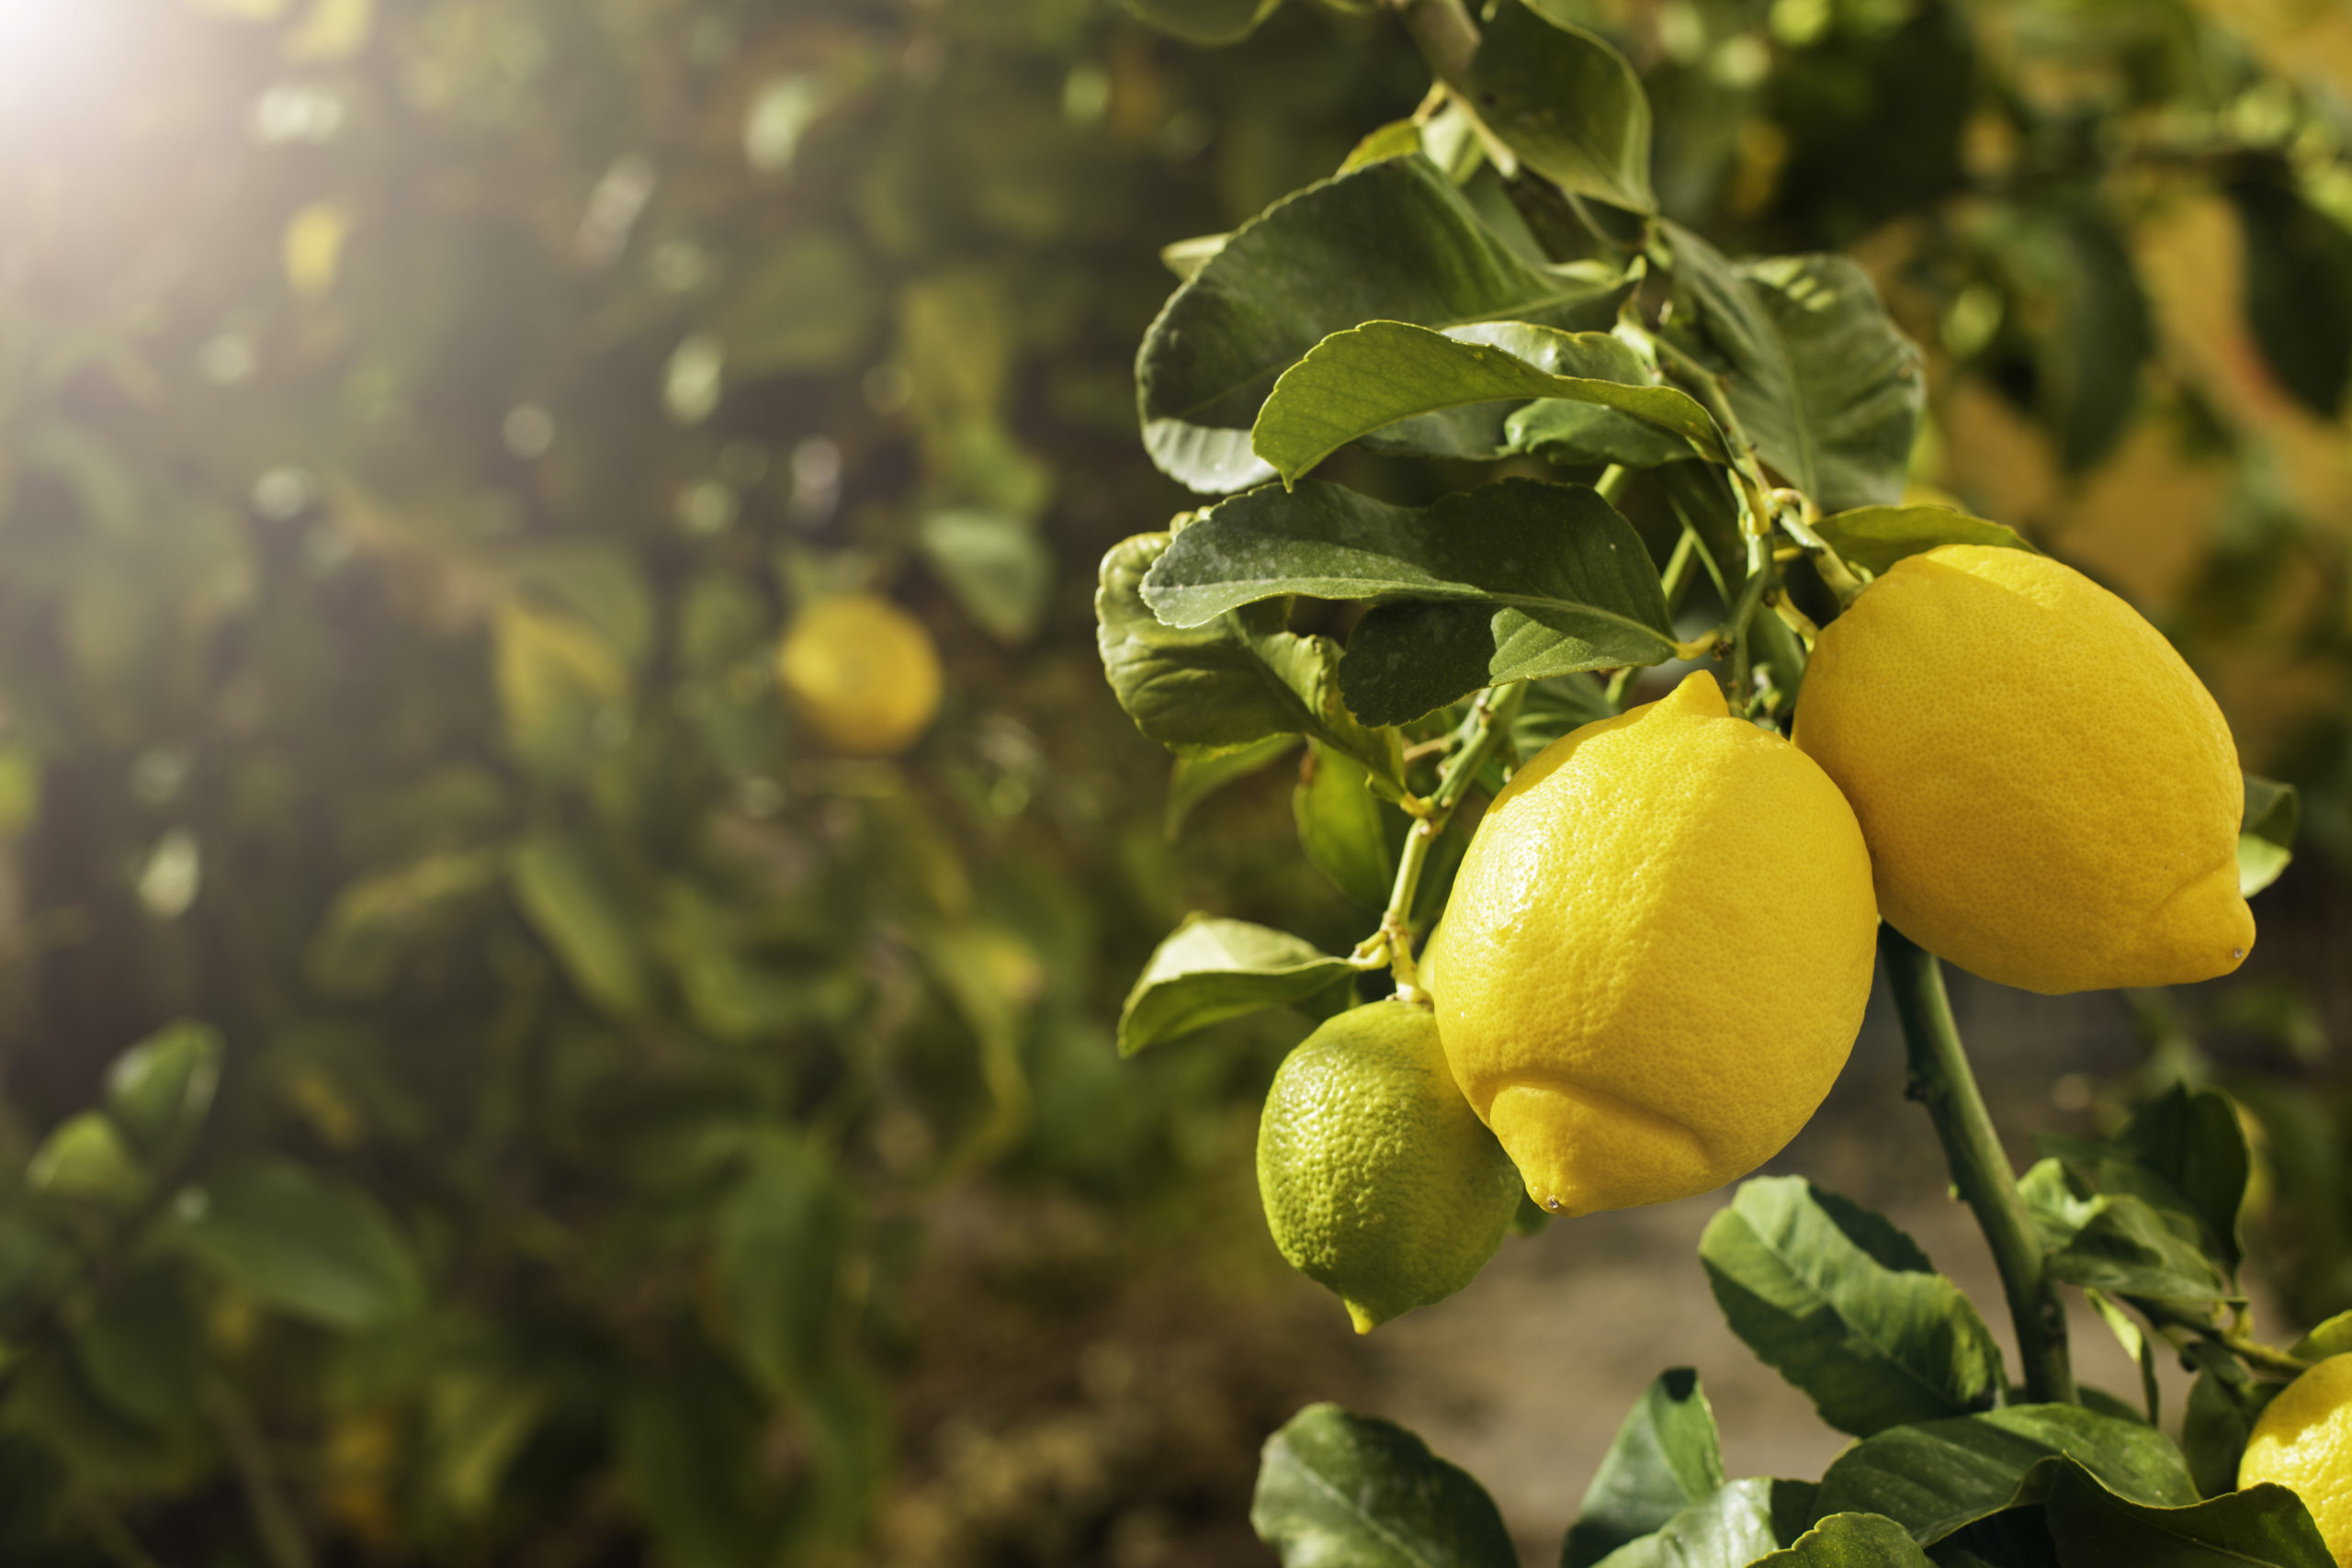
[2224,1406]
[2193,1142]
[1934,1477]
[1851,1540]
[2267,832]
[2126,1247]
[1391,241]
[1847,1308]
[1568,103]
[1227,682]
[314,1249]
[1728,1529]
[1191,780]
[1570,432]
[1824,384]
[1875,538]
[1511,581]
[2332,1337]
[1368,377]
[86,1158]
[1336,1490]
[2264,1525]
[1211,969]
[1666,1458]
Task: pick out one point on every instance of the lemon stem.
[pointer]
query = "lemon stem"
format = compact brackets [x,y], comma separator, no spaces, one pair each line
[1482,734]
[1942,1079]
[2235,1340]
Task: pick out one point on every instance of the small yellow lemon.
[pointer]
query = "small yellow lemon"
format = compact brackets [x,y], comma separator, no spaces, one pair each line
[861,674]
[1378,1182]
[1656,955]
[2303,1442]
[2051,797]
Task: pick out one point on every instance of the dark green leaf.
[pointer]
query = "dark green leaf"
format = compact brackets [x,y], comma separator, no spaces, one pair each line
[586,926]
[2298,291]
[1665,1459]
[2137,1344]
[1191,780]
[1368,377]
[1824,384]
[1392,240]
[1204,21]
[1511,581]
[1555,707]
[1227,683]
[2096,1529]
[2267,832]
[143,1348]
[1336,1490]
[1875,538]
[317,1249]
[1729,1529]
[1349,833]
[1568,104]
[1561,432]
[684,1445]
[781,1238]
[2126,1247]
[2091,365]
[2193,1142]
[159,1090]
[1847,1308]
[1851,1540]
[2223,1404]
[1936,1476]
[1210,970]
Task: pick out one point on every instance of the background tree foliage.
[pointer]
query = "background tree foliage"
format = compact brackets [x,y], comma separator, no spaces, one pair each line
[475,1077]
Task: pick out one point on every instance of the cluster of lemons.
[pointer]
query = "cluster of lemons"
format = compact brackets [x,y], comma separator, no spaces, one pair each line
[1656,952]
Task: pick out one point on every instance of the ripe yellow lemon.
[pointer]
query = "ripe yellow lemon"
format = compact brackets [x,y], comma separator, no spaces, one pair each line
[2303,1442]
[1379,1183]
[861,674]
[1656,954]
[2051,796]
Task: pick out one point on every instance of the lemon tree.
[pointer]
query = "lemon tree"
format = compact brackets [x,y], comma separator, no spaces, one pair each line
[1885,735]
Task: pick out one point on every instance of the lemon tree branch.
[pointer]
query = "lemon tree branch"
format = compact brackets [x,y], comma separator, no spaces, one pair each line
[1942,1079]
[1482,733]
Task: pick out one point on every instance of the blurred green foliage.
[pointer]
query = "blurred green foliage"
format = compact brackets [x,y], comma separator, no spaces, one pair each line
[418,421]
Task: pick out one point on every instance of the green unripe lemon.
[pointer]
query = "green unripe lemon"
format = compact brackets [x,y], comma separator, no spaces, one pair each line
[1379,1181]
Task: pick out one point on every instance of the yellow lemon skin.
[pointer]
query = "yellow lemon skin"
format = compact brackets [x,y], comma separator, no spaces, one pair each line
[2051,796]
[861,674]
[1656,954]
[2303,1442]
[1378,1182]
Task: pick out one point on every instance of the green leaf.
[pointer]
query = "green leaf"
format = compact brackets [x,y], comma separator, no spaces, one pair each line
[2267,832]
[1570,433]
[1211,969]
[1392,240]
[567,904]
[2224,1406]
[2333,1337]
[684,1444]
[999,571]
[2137,1344]
[1851,1540]
[1875,538]
[2192,1142]
[2266,1524]
[1347,833]
[1554,707]
[1191,780]
[1568,104]
[2114,1222]
[2297,296]
[1368,377]
[1665,1459]
[1204,21]
[143,1348]
[1394,140]
[2090,365]
[1934,1477]
[1822,381]
[1730,1528]
[1227,683]
[558,679]
[1336,1490]
[782,1237]
[809,304]
[2126,1247]
[1510,582]
[160,1091]
[86,1158]
[313,1248]
[1847,1307]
